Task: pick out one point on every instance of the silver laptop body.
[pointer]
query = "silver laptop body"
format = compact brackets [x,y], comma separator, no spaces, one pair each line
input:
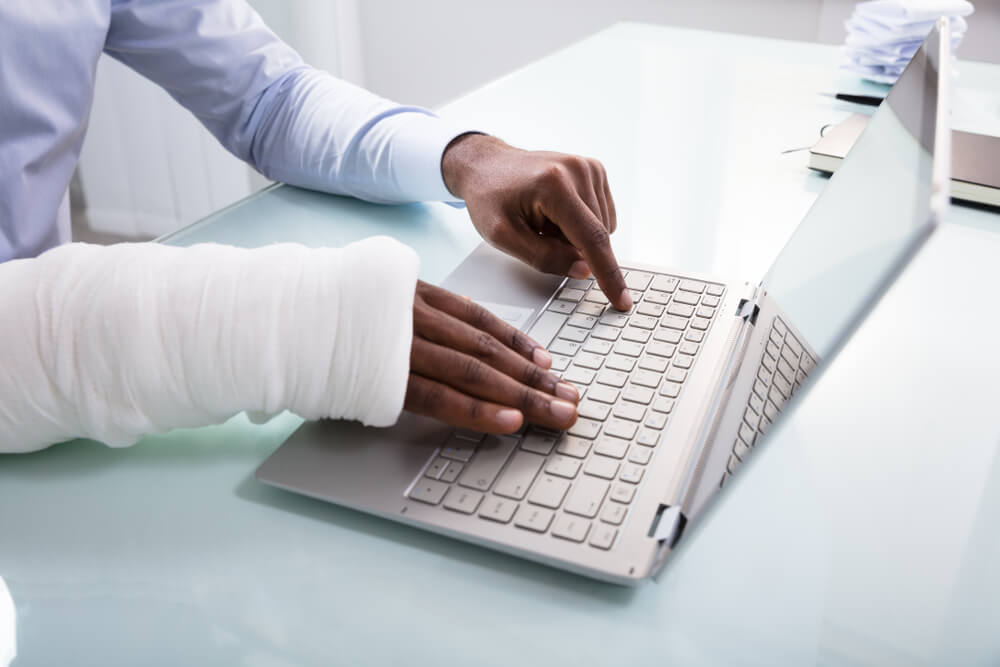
[676,393]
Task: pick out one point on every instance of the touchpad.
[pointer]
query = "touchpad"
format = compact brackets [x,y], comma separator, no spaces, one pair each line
[507,287]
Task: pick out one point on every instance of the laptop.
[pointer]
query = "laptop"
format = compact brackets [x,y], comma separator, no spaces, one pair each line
[676,393]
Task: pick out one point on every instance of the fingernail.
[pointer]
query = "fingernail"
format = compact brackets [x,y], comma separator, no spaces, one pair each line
[541,357]
[567,391]
[579,270]
[625,298]
[509,420]
[562,410]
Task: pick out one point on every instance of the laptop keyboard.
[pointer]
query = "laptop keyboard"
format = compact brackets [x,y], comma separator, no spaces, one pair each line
[784,366]
[629,368]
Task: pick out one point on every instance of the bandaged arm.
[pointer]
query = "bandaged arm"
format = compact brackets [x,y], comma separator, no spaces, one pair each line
[112,343]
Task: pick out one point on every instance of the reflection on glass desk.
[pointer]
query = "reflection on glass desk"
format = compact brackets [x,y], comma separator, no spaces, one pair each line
[863,532]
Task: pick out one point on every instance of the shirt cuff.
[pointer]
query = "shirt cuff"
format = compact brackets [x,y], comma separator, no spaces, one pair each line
[418,144]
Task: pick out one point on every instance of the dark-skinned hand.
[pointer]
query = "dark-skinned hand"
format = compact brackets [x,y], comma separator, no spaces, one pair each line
[551,210]
[471,369]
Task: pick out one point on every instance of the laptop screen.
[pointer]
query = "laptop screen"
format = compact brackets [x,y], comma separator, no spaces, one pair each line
[880,204]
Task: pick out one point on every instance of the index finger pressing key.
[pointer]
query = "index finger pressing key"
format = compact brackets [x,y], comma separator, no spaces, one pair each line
[587,233]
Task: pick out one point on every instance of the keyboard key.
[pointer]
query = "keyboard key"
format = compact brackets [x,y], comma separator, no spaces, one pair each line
[590,308]
[640,455]
[560,362]
[613,378]
[628,348]
[638,394]
[571,528]
[469,434]
[589,360]
[711,301]
[667,336]
[582,321]
[570,294]
[631,473]
[807,363]
[648,437]
[779,326]
[680,310]
[635,334]
[564,307]
[462,500]
[605,332]
[794,344]
[593,410]
[603,393]
[539,442]
[575,334]
[715,290]
[563,346]
[437,467]
[747,434]
[519,474]
[783,385]
[651,309]
[620,428]
[674,322]
[694,336]
[620,363]
[655,296]
[663,404]
[637,280]
[458,449]
[741,449]
[613,447]
[688,348]
[686,298]
[484,468]
[597,346]
[585,428]
[534,518]
[770,410]
[596,296]
[571,445]
[656,420]
[498,509]
[644,322]
[549,491]
[775,337]
[602,537]
[646,378]
[700,323]
[600,466]
[683,361]
[786,371]
[756,403]
[563,466]
[653,363]
[732,464]
[750,417]
[677,375]
[670,389]
[693,286]
[706,312]
[428,491]
[577,375]
[580,283]
[451,472]
[664,283]
[614,513]
[622,493]
[586,497]
[631,411]
[660,349]
[614,318]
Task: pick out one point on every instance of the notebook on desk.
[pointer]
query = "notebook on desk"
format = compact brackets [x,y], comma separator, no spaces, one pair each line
[975,167]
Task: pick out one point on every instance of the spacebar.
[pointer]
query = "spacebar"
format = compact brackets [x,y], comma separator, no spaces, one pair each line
[547,326]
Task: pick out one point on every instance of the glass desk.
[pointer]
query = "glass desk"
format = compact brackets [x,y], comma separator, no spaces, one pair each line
[863,532]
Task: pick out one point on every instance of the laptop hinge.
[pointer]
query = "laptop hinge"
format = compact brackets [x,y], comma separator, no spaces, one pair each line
[748,311]
[668,525]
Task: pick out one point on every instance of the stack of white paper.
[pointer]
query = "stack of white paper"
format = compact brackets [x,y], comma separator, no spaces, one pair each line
[882,35]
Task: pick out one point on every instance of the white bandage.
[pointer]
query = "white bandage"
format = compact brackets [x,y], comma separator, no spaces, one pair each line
[112,343]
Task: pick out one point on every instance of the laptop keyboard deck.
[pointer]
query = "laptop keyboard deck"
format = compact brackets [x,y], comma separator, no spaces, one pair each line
[630,368]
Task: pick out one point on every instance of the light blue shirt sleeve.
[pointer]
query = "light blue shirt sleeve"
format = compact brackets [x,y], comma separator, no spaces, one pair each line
[293,123]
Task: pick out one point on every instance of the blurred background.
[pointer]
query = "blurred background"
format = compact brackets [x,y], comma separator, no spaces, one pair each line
[149,168]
